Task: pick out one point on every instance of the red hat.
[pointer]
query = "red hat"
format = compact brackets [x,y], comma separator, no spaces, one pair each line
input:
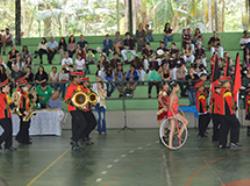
[84,79]
[199,84]
[216,84]
[77,73]
[23,82]
[4,83]
[225,79]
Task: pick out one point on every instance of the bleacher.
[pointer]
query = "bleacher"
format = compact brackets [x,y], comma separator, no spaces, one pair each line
[230,42]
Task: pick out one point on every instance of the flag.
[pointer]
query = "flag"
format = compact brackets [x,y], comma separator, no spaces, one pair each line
[237,78]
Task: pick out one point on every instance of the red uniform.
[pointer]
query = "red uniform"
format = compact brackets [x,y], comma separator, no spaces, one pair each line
[71,89]
[226,103]
[5,111]
[201,102]
[165,99]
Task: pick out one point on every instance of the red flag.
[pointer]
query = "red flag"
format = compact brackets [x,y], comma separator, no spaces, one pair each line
[237,79]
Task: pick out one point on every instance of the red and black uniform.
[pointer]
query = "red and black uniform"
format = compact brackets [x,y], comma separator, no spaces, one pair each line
[89,116]
[24,107]
[230,122]
[5,119]
[216,117]
[79,122]
[202,108]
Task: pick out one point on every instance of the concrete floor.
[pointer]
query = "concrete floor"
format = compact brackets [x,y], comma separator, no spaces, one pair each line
[129,158]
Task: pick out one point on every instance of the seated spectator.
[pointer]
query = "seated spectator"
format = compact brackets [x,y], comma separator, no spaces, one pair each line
[109,79]
[54,77]
[12,56]
[55,102]
[162,47]
[132,78]
[174,51]
[62,46]
[142,75]
[52,47]
[100,72]
[140,37]
[7,40]
[71,46]
[200,53]
[213,41]
[149,34]
[120,80]
[26,55]
[197,37]
[168,34]
[82,43]
[3,74]
[17,67]
[118,43]
[186,37]
[129,47]
[107,45]
[63,79]
[80,64]
[217,49]
[154,79]
[29,76]
[44,93]
[41,76]
[67,61]
[42,49]
[245,44]
[115,60]
[188,54]
[164,72]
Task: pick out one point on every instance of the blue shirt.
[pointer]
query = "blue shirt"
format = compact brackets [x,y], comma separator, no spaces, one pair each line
[52,45]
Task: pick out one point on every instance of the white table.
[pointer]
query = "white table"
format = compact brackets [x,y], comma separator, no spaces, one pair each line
[45,122]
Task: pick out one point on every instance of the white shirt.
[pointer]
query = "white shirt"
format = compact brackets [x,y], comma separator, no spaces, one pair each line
[67,61]
[54,77]
[80,64]
[244,41]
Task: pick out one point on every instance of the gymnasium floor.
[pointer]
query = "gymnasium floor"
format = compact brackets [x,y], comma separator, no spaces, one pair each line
[128,158]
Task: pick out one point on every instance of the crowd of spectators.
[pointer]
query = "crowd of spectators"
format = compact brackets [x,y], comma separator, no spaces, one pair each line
[168,62]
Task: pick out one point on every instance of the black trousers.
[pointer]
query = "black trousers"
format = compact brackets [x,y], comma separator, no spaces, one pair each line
[51,55]
[6,136]
[157,84]
[91,124]
[204,120]
[23,134]
[217,119]
[79,124]
[232,124]
[41,52]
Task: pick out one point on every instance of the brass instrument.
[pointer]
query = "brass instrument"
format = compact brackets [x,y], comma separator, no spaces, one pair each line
[33,98]
[81,99]
[16,98]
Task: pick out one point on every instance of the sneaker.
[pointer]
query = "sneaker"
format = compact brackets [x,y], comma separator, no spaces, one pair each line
[234,146]
[223,147]
[10,149]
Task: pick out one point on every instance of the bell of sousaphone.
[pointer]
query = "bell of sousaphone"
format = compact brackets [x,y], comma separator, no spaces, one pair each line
[79,99]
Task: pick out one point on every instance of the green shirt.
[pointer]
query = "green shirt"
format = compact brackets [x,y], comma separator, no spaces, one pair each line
[154,76]
[44,95]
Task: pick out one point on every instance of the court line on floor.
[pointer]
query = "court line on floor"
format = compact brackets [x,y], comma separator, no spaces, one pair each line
[122,156]
[34,179]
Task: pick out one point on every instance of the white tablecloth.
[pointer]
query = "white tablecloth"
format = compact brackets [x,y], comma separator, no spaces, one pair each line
[45,122]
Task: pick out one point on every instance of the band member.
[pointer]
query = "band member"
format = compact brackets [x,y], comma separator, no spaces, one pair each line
[79,123]
[5,117]
[216,116]
[88,113]
[25,102]
[163,103]
[248,109]
[201,105]
[229,121]
[174,112]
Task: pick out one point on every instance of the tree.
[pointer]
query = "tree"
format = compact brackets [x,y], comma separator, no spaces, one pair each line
[18,22]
